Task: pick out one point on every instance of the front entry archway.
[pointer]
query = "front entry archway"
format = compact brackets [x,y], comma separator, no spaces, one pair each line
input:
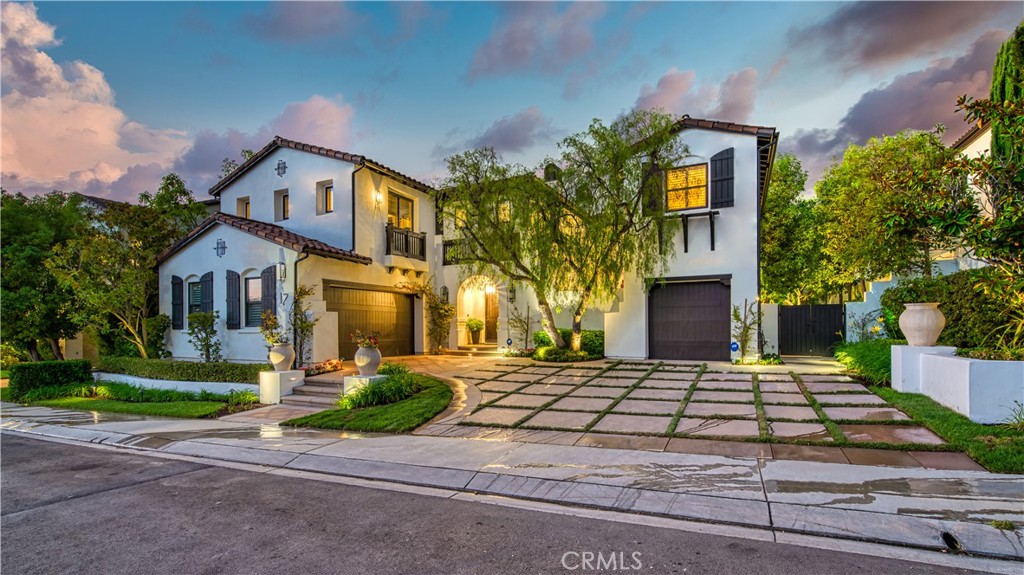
[479,298]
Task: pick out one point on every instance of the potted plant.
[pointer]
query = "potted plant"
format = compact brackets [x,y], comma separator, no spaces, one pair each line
[475,326]
[922,321]
[367,357]
[282,353]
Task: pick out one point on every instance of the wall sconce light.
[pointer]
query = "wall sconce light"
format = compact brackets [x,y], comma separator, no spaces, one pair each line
[512,294]
[282,270]
[281,168]
[220,248]
[489,290]
[378,198]
[444,293]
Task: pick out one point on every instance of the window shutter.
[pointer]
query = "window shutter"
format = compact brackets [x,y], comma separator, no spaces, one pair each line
[206,292]
[234,319]
[722,179]
[268,282]
[177,303]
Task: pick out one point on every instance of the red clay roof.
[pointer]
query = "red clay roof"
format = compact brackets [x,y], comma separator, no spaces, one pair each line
[970,135]
[279,142]
[271,233]
[687,122]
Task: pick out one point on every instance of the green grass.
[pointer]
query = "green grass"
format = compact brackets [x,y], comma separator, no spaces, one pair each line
[403,416]
[188,409]
[5,394]
[996,447]
[4,374]
[871,359]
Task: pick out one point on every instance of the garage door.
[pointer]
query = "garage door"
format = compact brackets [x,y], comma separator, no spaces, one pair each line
[689,321]
[386,312]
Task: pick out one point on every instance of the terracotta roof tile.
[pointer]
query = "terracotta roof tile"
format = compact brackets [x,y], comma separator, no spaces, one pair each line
[270,232]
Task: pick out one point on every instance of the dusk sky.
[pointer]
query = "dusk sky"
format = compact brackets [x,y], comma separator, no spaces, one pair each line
[106,98]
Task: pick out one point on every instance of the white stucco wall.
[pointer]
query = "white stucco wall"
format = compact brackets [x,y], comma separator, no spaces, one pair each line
[247,255]
[304,171]
[735,251]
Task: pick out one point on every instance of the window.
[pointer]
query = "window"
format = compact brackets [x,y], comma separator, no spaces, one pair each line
[687,187]
[195,297]
[242,207]
[282,207]
[324,197]
[399,211]
[253,302]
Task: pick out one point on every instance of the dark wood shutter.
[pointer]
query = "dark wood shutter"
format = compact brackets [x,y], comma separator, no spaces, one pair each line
[206,292]
[268,281]
[722,195]
[234,319]
[177,303]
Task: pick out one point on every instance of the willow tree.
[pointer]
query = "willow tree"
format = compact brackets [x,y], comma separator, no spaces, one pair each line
[574,235]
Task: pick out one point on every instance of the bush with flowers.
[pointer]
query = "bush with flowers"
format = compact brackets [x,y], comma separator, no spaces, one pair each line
[323,367]
[368,340]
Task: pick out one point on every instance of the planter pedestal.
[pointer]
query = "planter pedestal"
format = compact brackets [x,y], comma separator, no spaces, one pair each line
[906,365]
[274,384]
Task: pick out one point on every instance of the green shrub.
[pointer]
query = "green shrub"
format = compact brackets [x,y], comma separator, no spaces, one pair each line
[1004,354]
[55,391]
[474,324]
[9,356]
[971,314]
[392,368]
[26,376]
[871,359]
[391,390]
[129,393]
[156,330]
[202,334]
[554,354]
[183,370]
[591,341]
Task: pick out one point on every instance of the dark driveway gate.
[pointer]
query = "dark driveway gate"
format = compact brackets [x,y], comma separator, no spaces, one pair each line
[810,329]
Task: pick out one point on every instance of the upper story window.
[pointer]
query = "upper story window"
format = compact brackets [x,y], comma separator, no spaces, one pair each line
[399,211]
[253,301]
[324,197]
[242,207]
[282,207]
[195,297]
[686,187]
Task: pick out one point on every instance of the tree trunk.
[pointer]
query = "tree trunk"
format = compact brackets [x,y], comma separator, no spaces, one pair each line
[547,322]
[577,322]
[55,348]
[33,350]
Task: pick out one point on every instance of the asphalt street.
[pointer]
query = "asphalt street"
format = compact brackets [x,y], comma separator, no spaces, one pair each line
[75,509]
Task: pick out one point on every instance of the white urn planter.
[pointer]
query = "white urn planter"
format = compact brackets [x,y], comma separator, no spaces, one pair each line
[367,359]
[922,323]
[282,355]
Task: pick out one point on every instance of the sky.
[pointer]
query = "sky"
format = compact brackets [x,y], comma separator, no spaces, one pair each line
[105,98]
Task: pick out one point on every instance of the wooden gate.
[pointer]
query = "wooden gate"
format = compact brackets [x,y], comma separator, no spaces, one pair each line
[810,329]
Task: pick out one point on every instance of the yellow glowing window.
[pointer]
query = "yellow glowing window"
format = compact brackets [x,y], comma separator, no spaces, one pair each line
[687,187]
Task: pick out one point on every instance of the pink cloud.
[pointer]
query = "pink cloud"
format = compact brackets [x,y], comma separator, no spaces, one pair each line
[675,93]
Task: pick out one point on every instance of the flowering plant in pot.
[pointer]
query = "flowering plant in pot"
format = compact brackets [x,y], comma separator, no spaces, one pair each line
[367,357]
[282,353]
[475,326]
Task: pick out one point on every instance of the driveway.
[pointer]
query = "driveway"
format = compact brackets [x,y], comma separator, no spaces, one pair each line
[755,411]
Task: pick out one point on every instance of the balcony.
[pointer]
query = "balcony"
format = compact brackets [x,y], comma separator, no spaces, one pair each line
[450,254]
[407,243]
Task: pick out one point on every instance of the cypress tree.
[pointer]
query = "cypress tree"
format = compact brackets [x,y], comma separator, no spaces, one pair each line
[1008,86]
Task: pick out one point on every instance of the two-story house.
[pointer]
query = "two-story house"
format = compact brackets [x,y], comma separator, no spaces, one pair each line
[295,214]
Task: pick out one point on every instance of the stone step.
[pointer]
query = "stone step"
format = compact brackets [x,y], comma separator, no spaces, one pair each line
[310,401]
[324,390]
[479,352]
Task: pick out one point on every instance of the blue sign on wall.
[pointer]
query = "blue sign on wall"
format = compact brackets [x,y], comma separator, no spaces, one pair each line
[508,341]
[735,346]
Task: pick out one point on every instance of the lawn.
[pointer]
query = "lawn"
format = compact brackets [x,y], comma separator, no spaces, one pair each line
[997,447]
[4,374]
[403,416]
[186,409]
[5,394]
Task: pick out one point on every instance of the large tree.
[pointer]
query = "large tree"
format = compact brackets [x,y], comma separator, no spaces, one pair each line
[575,235]
[110,264]
[33,306]
[1008,86]
[858,198]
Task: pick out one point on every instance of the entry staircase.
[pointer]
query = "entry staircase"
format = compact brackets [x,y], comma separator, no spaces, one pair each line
[478,350]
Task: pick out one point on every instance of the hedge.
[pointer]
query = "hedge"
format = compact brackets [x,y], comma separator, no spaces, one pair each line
[871,359]
[27,376]
[184,370]
[591,341]
[134,393]
[971,314]
[552,353]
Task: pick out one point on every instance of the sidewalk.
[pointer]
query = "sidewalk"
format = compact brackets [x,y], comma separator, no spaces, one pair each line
[917,507]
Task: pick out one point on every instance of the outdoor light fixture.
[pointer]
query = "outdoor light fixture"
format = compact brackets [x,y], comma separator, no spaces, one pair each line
[444,293]
[489,290]
[220,248]
[511,294]
[282,270]
[378,197]
[282,167]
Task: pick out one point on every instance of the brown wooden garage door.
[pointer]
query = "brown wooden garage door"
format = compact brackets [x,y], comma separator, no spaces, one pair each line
[387,312]
[689,321]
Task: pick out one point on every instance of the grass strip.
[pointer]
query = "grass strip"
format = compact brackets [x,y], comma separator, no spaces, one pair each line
[184,409]
[833,429]
[621,396]
[686,400]
[399,417]
[762,420]
[996,447]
